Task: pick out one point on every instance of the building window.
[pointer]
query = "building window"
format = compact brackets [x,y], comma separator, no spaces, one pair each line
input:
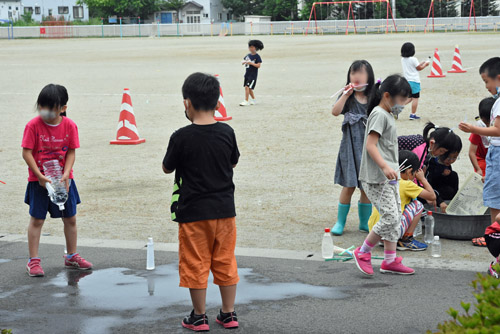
[50,12]
[63,10]
[10,7]
[193,12]
[205,15]
[219,16]
[28,10]
[78,12]
[37,10]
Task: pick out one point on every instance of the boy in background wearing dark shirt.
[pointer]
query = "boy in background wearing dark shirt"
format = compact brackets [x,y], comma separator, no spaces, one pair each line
[252,63]
[478,149]
[203,156]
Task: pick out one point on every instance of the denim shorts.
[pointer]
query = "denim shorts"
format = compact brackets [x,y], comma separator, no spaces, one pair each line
[491,190]
[38,199]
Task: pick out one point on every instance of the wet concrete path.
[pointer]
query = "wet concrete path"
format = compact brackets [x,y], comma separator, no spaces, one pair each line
[274,295]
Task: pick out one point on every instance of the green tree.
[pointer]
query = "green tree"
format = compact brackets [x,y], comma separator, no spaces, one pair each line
[280,10]
[173,5]
[482,7]
[239,8]
[105,8]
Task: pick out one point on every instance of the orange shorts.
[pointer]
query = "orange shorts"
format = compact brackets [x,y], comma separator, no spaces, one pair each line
[207,245]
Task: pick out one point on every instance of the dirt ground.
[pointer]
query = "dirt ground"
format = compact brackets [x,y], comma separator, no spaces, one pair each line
[285,193]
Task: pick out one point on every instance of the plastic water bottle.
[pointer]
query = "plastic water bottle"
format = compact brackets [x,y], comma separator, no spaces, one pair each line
[436,247]
[57,189]
[418,229]
[327,245]
[150,265]
[429,228]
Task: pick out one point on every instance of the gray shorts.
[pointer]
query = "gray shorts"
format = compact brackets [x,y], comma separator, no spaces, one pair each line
[386,199]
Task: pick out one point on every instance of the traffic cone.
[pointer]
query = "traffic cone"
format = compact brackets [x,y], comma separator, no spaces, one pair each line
[221,114]
[127,133]
[436,70]
[457,62]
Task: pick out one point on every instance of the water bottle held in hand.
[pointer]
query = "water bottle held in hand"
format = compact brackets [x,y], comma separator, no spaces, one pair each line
[429,228]
[327,245]
[56,189]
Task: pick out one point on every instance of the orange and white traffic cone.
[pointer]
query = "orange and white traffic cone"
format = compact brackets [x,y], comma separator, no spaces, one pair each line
[127,133]
[221,114]
[437,69]
[457,67]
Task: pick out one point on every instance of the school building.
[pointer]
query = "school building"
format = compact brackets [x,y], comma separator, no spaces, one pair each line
[199,11]
[69,9]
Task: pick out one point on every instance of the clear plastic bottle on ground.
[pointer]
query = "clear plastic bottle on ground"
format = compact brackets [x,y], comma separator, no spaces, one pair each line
[327,245]
[150,265]
[418,229]
[429,228]
[436,247]
[57,189]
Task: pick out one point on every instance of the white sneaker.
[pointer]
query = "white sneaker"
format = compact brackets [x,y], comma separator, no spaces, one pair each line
[244,103]
[253,102]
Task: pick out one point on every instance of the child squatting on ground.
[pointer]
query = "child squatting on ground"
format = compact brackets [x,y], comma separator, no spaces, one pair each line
[46,137]
[379,174]
[411,208]
[490,73]
[411,67]
[203,156]
[479,144]
[252,62]
[352,104]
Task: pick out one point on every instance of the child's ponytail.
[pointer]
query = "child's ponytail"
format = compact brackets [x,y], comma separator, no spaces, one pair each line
[375,97]
[443,137]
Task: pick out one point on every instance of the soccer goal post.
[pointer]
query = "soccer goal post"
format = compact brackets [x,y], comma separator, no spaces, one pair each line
[350,14]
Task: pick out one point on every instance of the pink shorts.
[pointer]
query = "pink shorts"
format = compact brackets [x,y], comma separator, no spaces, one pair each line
[412,209]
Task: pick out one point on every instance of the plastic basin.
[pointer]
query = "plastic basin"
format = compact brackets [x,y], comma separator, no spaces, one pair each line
[459,227]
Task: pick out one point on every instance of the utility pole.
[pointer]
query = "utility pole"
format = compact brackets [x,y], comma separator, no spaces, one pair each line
[394,8]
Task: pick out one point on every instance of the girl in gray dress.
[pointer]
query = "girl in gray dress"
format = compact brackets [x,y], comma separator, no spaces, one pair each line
[352,104]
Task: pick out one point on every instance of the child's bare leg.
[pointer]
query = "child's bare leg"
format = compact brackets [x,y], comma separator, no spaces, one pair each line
[228,295]
[346,194]
[374,238]
[34,232]
[247,92]
[253,97]
[363,198]
[70,232]
[495,215]
[389,246]
[413,224]
[414,105]
[198,298]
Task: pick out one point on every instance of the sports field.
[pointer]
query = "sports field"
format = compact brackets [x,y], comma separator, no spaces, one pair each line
[285,193]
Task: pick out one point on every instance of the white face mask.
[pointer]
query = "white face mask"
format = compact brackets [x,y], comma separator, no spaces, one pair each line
[47,115]
[497,95]
[397,109]
[360,89]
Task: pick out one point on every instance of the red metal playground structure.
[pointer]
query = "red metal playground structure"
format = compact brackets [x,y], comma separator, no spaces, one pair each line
[350,14]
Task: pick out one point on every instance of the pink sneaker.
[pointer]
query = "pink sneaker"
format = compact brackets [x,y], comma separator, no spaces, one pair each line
[396,267]
[363,262]
[34,268]
[77,262]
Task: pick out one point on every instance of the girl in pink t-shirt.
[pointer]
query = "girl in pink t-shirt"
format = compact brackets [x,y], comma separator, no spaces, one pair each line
[50,136]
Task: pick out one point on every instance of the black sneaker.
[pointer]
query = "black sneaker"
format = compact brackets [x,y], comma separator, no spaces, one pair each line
[228,320]
[195,322]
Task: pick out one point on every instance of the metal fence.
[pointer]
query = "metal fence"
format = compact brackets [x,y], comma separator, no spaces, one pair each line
[449,24]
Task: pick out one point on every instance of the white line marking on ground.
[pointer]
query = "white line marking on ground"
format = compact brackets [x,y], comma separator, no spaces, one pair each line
[431,263]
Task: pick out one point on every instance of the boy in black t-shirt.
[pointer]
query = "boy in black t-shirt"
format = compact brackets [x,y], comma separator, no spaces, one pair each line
[203,156]
[252,63]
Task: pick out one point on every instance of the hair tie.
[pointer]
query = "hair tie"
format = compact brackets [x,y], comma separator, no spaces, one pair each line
[379,81]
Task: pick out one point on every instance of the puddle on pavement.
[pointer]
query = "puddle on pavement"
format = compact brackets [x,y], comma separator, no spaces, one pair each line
[115,288]
[122,296]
